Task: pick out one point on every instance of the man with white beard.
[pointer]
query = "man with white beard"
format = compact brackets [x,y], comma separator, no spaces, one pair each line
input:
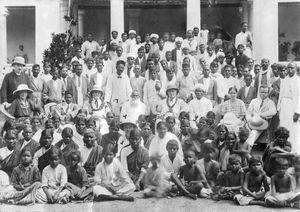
[133,108]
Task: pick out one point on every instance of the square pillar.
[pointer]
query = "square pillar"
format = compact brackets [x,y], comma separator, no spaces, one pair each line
[193,14]
[117,16]
[265,30]
[81,13]
[3,37]
[46,22]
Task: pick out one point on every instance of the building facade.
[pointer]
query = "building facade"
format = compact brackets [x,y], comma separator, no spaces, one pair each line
[30,23]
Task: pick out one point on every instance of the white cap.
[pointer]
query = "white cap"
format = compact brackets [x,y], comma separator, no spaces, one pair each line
[178,39]
[153,35]
[130,55]
[220,54]
[132,31]
[199,87]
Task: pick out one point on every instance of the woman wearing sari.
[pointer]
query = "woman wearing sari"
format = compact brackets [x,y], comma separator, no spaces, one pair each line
[9,155]
[91,153]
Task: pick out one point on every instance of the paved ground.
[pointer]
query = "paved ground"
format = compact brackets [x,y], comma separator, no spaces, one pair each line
[178,204]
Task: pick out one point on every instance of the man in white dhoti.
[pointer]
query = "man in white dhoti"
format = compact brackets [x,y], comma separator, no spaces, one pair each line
[285,101]
[295,131]
[260,110]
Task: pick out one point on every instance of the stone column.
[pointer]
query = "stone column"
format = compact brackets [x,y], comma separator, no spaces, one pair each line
[245,11]
[250,15]
[265,30]
[3,37]
[193,14]
[117,16]
[63,10]
[133,19]
[81,13]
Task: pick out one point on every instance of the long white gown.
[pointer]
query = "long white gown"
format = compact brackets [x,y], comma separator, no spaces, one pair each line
[285,103]
[295,132]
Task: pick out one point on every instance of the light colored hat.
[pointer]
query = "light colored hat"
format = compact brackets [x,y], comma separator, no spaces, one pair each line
[132,31]
[153,35]
[113,41]
[130,55]
[96,88]
[172,87]
[220,54]
[22,87]
[179,39]
[186,47]
[230,119]
[255,122]
[19,60]
[127,120]
[199,87]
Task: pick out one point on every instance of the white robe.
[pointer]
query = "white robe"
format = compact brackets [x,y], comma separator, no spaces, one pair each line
[285,103]
[295,131]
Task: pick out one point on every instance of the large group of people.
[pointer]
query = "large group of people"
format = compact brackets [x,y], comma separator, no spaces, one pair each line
[165,117]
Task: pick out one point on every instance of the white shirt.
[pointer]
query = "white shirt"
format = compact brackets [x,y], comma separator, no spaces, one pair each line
[85,153]
[246,90]
[132,112]
[54,178]
[172,167]
[118,89]
[242,38]
[169,46]
[88,47]
[199,108]
[99,79]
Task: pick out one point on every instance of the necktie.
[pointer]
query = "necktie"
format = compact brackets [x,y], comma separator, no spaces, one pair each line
[261,104]
[78,81]
[96,103]
[67,110]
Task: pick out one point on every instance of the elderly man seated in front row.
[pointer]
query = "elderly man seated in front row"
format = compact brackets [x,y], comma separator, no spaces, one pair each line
[260,112]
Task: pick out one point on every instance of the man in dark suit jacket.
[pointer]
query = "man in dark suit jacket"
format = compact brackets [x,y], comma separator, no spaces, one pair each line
[248,92]
[141,59]
[12,80]
[79,86]
[172,65]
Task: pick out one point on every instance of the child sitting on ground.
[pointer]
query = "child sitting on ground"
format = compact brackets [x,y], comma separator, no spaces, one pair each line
[190,174]
[283,186]
[242,148]
[112,181]
[156,183]
[209,168]
[78,182]
[25,174]
[54,179]
[42,155]
[233,178]
[255,184]
[172,163]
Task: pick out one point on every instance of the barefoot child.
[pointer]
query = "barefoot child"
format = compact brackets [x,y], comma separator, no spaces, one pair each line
[112,181]
[234,177]
[242,148]
[25,174]
[54,179]
[283,186]
[78,182]
[255,185]
[190,173]
[156,183]
[172,163]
